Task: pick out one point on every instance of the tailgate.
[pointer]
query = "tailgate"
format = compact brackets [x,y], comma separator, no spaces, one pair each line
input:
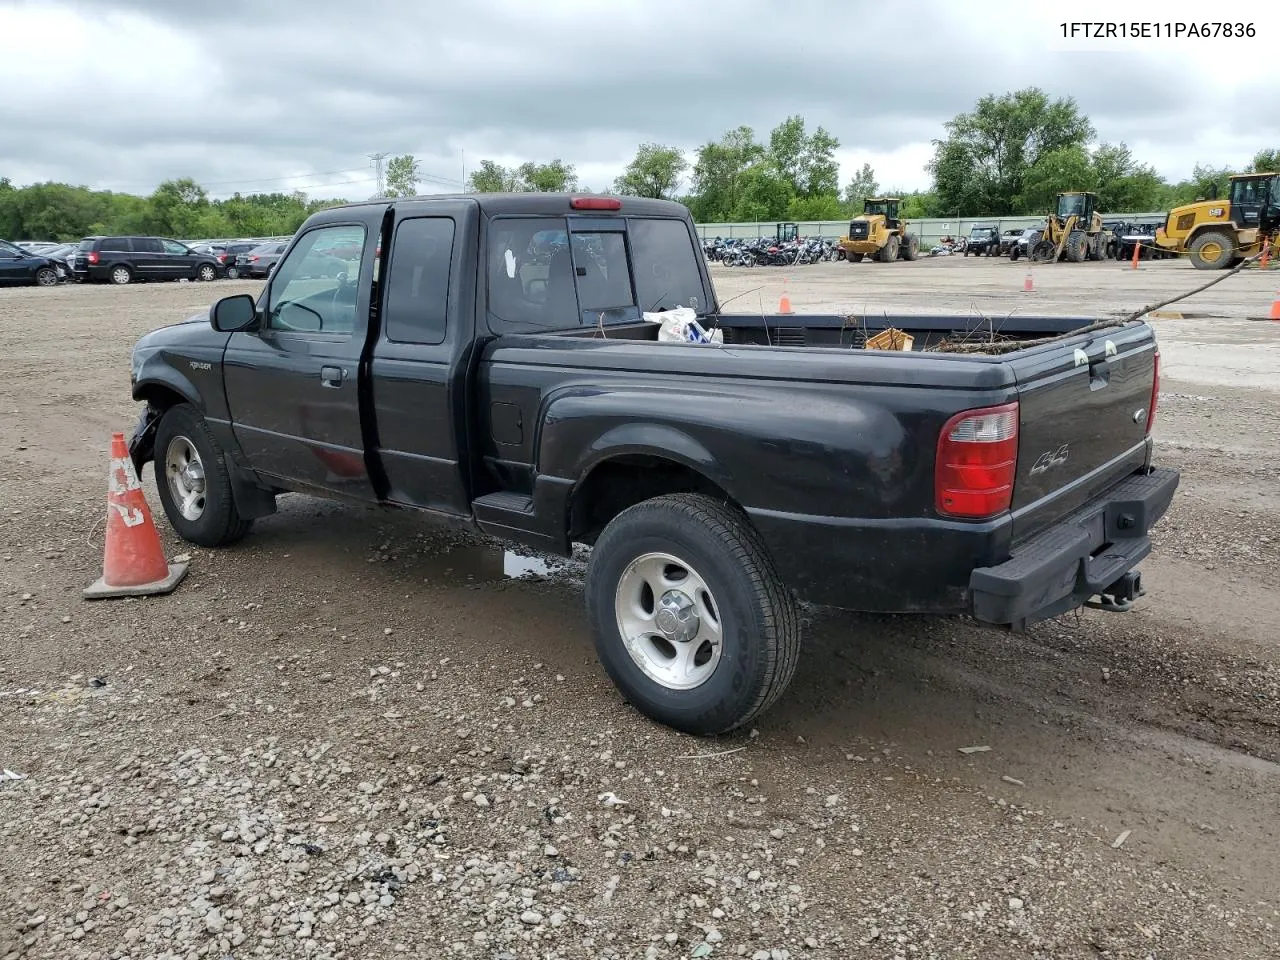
[1084,408]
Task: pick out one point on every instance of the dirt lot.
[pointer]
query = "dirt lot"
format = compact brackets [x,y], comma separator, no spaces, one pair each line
[353,735]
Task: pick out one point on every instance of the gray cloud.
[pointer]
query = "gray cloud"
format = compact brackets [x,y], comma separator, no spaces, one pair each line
[237,93]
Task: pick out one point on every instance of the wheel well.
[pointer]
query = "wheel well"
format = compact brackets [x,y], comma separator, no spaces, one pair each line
[624,481]
[160,397]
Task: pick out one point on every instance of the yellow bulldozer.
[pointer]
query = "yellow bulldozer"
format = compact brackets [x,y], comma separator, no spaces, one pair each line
[1217,234]
[878,232]
[1072,232]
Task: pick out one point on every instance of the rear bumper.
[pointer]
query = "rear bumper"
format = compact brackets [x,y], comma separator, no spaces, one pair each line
[1089,553]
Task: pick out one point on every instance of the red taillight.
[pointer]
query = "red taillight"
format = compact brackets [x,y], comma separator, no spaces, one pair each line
[595,203]
[252,258]
[93,256]
[1155,391]
[976,463]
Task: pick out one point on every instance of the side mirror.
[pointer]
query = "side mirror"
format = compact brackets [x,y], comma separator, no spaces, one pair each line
[231,314]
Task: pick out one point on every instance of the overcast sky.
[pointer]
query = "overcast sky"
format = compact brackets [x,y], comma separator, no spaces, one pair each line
[285,94]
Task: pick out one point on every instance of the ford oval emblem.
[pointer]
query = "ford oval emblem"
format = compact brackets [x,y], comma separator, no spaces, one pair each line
[1139,415]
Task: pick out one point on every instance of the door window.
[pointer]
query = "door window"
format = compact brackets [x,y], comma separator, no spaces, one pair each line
[117,244]
[313,291]
[147,245]
[418,284]
[173,246]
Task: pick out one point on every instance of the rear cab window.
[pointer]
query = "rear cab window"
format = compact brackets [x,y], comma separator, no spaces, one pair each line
[552,273]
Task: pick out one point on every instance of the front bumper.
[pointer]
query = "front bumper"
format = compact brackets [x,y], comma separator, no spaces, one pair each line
[1092,552]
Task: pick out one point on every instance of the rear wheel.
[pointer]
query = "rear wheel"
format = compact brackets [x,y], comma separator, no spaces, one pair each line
[689,617]
[1212,250]
[207,273]
[233,273]
[194,481]
[120,275]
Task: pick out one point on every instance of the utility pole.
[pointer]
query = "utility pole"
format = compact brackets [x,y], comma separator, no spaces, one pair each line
[377,159]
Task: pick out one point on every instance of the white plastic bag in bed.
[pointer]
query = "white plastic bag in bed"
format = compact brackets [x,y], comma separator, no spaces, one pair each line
[681,326]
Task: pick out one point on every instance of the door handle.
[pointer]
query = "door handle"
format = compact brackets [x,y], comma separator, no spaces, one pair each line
[331,376]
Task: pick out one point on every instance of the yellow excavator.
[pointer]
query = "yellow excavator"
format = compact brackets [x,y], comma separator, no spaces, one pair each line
[880,233]
[1217,234]
[1072,232]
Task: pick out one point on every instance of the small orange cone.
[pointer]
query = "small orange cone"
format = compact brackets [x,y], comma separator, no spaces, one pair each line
[784,305]
[1275,308]
[1028,286]
[133,563]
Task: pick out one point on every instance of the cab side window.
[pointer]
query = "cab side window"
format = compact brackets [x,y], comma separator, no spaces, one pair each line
[313,290]
[418,280]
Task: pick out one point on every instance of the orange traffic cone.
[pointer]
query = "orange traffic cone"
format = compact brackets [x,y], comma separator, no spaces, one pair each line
[134,563]
[1028,285]
[1275,308]
[784,305]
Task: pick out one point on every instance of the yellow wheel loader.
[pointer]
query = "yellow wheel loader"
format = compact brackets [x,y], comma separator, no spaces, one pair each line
[1072,232]
[1218,234]
[879,233]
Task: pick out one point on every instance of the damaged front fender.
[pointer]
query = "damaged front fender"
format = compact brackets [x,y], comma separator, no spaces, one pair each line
[142,445]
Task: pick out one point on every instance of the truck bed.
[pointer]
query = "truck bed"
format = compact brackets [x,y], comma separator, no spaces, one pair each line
[852,332]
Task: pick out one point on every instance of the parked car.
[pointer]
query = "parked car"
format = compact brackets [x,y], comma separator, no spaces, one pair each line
[1009,239]
[984,241]
[135,259]
[229,255]
[18,266]
[259,261]
[1022,247]
[536,402]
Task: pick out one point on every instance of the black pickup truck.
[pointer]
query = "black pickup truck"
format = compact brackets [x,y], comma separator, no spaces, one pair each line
[494,359]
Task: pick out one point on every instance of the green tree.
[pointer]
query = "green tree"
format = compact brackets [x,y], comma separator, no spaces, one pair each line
[979,166]
[861,185]
[403,176]
[1122,184]
[807,161]
[553,177]
[655,172]
[718,173]
[1057,171]
[1266,161]
[491,177]
[764,194]
[822,207]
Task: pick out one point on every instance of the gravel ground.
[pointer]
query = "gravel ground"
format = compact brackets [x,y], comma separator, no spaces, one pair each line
[358,735]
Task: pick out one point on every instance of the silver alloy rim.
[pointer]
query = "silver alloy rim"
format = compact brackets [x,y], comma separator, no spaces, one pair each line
[669,621]
[206,273]
[185,472]
[46,278]
[120,275]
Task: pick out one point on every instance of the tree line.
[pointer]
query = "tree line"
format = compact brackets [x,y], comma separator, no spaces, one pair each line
[1008,156]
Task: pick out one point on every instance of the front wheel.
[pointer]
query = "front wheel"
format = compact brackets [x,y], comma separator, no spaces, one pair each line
[47,277]
[689,617]
[194,481]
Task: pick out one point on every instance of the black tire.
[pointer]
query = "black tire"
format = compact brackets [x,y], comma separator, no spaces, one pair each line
[1076,248]
[854,257]
[206,272]
[1014,253]
[120,275]
[911,249]
[759,622]
[46,277]
[889,252]
[219,522]
[233,273]
[1212,250]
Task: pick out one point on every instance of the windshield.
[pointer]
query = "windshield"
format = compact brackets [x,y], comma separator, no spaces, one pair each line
[873,207]
[10,248]
[1071,206]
